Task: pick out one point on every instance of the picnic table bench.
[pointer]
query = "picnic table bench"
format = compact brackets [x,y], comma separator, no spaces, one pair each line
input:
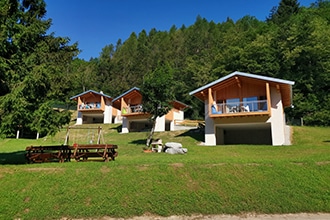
[84,151]
[39,154]
[62,153]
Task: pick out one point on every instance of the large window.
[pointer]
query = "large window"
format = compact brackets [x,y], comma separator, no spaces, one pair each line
[233,105]
[251,102]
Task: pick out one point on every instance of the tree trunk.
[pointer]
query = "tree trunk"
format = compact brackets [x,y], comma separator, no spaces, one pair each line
[151,133]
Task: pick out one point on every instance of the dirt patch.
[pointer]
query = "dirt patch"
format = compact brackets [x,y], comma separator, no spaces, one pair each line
[5,171]
[247,216]
[143,167]
[42,169]
[105,169]
[323,163]
[214,165]
[177,165]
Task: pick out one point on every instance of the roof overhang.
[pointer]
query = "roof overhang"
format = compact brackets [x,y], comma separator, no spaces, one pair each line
[90,93]
[284,85]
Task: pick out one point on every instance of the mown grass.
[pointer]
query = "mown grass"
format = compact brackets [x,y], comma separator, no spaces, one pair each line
[206,180]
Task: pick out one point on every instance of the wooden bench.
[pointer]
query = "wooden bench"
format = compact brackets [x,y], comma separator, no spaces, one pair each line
[39,154]
[84,151]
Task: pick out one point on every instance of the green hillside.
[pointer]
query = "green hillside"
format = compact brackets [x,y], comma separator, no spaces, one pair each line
[207,180]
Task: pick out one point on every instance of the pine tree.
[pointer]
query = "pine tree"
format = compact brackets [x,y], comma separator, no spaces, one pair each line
[284,11]
[33,68]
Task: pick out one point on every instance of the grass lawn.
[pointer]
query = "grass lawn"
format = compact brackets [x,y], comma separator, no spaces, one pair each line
[207,180]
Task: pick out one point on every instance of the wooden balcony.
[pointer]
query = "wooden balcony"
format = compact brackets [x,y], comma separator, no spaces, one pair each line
[132,110]
[239,109]
[90,107]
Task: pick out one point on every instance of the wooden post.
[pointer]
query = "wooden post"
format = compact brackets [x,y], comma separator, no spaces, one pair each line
[210,100]
[268,98]
[98,135]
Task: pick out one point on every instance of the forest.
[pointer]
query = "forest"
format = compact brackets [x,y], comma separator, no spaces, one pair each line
[40,71]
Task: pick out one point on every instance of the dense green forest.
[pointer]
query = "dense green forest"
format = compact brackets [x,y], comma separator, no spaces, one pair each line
[39,71]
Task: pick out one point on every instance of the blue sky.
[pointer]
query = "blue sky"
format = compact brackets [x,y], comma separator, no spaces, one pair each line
[95,24]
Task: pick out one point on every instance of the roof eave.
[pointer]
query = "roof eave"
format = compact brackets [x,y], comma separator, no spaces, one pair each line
[266,78]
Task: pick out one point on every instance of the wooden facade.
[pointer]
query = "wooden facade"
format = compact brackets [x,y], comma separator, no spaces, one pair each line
[240,100]
[135,119]
[94,107]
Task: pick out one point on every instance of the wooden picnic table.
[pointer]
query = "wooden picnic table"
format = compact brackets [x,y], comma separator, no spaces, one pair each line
[38,154]
[84,151]
[62,153]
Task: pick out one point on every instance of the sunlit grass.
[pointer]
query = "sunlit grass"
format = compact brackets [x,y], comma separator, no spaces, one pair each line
[206,180]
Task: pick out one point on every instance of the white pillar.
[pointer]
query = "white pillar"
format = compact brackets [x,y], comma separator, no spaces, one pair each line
[160,124]
[125,125]
[107,116]
[118,118]
[79,118]
[210,138]
[172,125]
[277,119]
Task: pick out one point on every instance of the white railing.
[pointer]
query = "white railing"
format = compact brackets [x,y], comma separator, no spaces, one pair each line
[90,105]
[237,107]
[133,109]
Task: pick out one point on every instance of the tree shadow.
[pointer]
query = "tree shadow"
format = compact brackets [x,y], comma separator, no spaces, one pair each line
[327,141]
[138,142]
[197,134]
[118,128]
[17,157]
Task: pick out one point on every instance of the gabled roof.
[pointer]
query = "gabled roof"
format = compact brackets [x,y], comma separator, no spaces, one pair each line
[265,78]
[125,93]
[89,92]
[180,105]
[285,85]
[133,92]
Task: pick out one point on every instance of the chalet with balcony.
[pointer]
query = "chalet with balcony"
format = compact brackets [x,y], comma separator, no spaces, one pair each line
[95,107]
[135,119]
[243,108]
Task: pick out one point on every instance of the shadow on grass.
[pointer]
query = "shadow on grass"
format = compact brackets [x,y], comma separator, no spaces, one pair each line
[197,134]
[118,128]
[17,157]
[139,142]
[327,141]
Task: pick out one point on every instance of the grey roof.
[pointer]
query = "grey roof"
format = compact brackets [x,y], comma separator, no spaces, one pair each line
[188,106]
[98,93]
[266,78]
[125,93]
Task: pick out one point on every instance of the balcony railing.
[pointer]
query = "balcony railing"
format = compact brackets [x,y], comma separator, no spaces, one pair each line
[90,105]
[132,109]
[239,107]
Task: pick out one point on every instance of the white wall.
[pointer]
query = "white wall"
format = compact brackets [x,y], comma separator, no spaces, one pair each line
[118,118]
[209,128]
[79,118]
[107,114]
[125,125]
[277,118]
[176,116]
[160,124]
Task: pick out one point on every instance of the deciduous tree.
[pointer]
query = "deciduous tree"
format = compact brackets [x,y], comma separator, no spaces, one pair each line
[157,92]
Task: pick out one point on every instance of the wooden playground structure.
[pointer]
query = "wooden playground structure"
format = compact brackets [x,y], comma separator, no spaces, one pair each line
[79,152]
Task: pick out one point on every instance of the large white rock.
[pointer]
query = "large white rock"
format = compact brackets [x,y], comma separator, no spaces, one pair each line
[175,148]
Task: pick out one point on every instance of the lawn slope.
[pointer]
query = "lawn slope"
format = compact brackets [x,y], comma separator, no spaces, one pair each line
[207,180]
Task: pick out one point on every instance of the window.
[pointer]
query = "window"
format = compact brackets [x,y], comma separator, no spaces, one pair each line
[252,102]
[232,105]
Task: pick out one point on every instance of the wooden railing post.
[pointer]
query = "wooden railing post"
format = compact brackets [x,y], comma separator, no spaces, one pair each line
[268,98]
